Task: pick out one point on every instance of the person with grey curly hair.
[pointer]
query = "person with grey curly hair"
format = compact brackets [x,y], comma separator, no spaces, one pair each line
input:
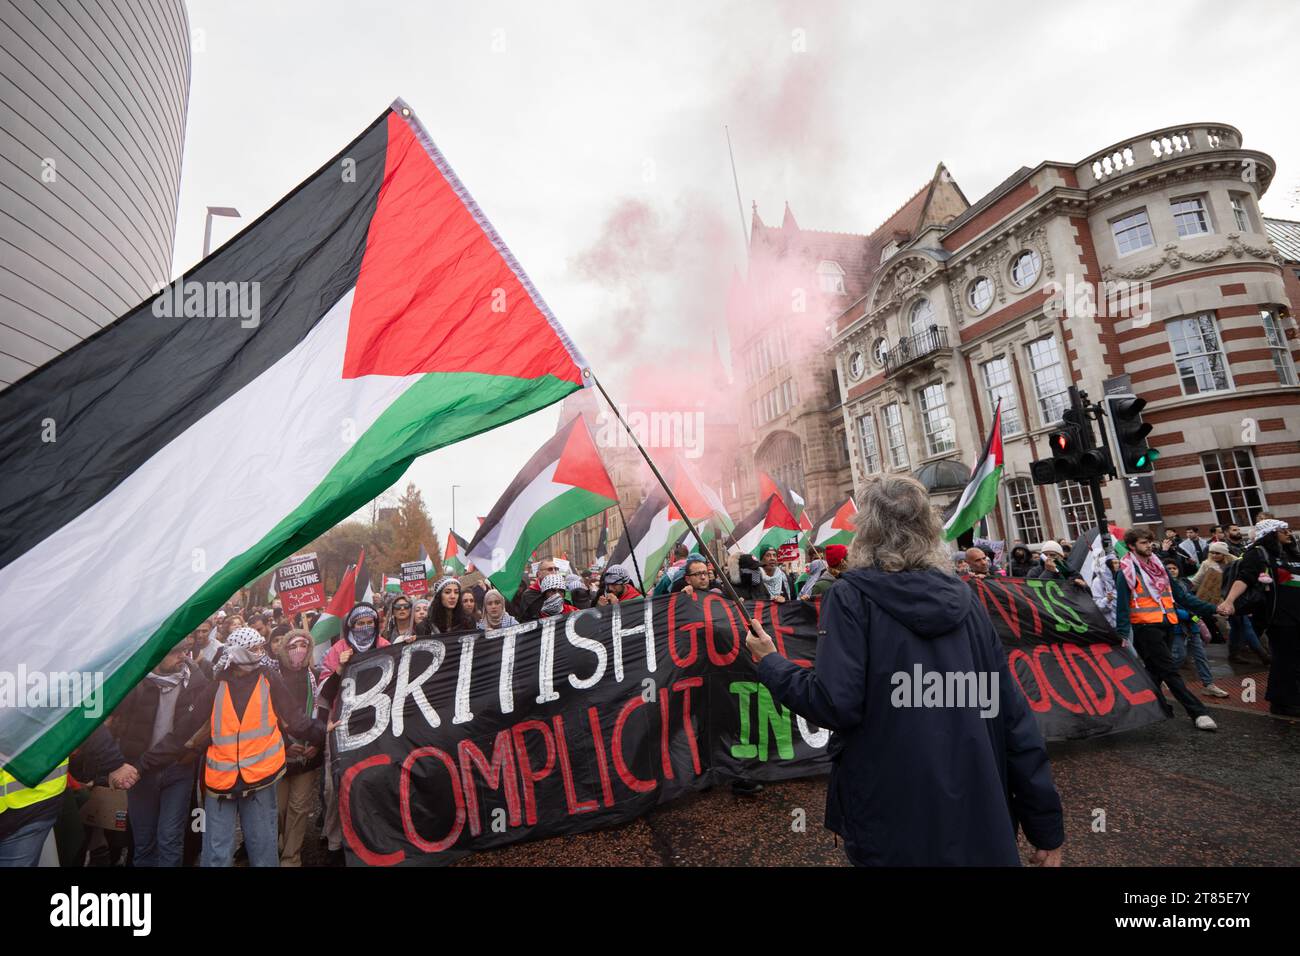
[918,779]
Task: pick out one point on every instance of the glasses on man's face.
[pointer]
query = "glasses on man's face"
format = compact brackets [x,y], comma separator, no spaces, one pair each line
[698,574]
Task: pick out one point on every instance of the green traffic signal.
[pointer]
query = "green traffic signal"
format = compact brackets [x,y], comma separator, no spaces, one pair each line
[1136,456]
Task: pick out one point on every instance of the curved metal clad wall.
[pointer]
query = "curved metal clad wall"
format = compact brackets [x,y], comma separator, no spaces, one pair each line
[93,96]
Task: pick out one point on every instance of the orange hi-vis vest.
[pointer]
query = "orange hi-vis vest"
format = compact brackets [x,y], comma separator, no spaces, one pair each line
[251,747]
[1145,609]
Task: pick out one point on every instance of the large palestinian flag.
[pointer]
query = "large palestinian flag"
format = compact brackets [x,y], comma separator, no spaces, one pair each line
[980,496]
[770,525]
[370,316]
[563,483]
[835,526]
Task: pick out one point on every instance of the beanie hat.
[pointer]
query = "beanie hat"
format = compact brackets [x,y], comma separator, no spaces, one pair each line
[836,554]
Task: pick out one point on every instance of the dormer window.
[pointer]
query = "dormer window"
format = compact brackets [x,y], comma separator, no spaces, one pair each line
[831,277]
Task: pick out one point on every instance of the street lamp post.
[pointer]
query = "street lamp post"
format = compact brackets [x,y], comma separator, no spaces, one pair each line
[453,506]
[207,224]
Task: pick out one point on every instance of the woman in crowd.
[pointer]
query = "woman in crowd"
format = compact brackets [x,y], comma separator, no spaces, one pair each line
[296,791]
[495,615]
[775,581]
[420,611]
[401,621]
[1272,567]
[446,614]
[917,785]
[469,604]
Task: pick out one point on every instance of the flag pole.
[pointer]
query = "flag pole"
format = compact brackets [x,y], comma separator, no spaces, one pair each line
[631,553]
[722,576]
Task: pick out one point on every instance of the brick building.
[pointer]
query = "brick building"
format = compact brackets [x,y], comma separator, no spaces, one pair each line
[1149,259]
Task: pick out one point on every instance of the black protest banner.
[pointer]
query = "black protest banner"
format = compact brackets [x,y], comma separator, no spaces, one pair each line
[1066,659]
[469,742]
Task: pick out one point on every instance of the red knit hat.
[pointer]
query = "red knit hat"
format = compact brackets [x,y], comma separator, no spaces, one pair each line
[835,554]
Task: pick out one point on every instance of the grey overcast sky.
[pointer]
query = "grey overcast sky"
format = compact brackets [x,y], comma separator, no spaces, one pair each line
[592,132]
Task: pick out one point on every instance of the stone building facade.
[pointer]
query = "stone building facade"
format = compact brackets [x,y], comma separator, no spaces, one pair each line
[788,390]
[1148,259]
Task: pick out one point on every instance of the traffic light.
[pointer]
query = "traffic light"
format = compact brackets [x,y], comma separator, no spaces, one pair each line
[1073,456]
[1135,455]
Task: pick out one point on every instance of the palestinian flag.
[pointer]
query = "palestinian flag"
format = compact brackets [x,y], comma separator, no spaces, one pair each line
[392,585]
[768,486]
[430,572]
[835,526]
[453,558]
[770,525]
[657,525]
[353,589]
[271,592]
[1087,552]
[370,316]
[981,493]
[602,546]
[563,483]
[647,539]
[701,503]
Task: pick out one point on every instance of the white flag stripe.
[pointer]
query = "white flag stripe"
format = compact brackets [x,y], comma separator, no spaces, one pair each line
[183,514]
[494,551]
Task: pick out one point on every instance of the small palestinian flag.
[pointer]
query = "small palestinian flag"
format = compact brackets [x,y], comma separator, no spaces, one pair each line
[453,557]
[835,526]
[353,589]
[375,297]
[768,486]
[1087,553]
[392,585]
[770,525]
[656,526]
[602,546]
[430,572]
[563,483]
[981,493]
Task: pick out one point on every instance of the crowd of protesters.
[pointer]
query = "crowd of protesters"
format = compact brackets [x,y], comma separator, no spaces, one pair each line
[233,723]
[1171,595]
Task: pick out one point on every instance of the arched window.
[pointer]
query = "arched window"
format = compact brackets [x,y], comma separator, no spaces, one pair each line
[920,318]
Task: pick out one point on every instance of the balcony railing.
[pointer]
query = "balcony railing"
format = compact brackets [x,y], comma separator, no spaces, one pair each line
[934,339]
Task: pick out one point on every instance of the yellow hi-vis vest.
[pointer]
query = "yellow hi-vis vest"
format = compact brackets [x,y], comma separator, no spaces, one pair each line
[14,795]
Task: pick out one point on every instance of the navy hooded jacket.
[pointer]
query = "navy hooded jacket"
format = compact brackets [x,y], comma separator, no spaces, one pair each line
[919,786]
